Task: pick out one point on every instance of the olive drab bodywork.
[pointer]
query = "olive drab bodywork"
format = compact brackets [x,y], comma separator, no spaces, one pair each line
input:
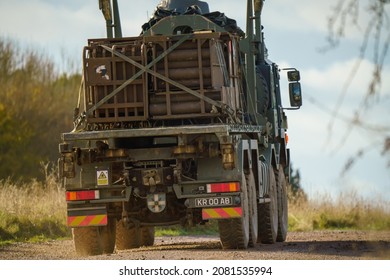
[182,124]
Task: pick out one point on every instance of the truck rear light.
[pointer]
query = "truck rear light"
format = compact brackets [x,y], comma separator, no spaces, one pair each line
[82,195]
[223,187]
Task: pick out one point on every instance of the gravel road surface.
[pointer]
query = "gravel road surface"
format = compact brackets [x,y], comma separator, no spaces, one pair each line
[317,245]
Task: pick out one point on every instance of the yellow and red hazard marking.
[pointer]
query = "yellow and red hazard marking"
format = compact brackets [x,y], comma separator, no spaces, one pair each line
[85,221]
[221,213]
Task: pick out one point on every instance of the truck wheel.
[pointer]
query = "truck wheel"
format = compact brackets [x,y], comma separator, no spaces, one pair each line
[234,233]
[108,236]
[282,205]
[87,241]
[147,236]
[253,215]
[268,213]
[91,241]
[127,238]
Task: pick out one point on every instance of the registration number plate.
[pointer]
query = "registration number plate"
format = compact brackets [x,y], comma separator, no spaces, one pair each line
[213,201]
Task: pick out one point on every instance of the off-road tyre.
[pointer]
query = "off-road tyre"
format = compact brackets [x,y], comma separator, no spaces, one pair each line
[253,213]
[87,241]
[268,213]
[127,238]
[282,205]
[265,97]
[108,234]
[234,233]
[147,236]
[91,241]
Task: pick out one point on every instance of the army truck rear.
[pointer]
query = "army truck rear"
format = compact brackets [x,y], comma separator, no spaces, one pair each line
[180,125]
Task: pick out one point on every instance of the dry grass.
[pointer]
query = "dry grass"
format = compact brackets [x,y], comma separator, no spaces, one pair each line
[347,211]
[34,210]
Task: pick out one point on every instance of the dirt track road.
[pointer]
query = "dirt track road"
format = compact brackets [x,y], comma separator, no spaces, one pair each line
[331,245]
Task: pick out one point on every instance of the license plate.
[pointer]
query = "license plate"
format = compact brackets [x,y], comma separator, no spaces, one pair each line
[213,201]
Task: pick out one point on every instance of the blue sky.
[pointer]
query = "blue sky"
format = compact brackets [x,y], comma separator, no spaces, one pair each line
[294,33]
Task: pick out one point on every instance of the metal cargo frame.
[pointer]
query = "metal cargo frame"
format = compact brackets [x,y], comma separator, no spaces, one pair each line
[161,78]
[104,73]
[194,64]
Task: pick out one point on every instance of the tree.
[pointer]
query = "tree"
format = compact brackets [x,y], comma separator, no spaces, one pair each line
[14,141]
[36,106]
[296,194]
[371,19]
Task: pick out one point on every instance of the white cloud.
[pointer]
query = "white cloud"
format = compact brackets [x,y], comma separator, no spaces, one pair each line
[310,16]
[38,21]
[54,29]
[326,84]
[335,76]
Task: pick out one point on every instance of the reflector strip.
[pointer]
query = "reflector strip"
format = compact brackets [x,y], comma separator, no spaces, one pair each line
[221,213]
[85,221]
[223,187]
[82,195]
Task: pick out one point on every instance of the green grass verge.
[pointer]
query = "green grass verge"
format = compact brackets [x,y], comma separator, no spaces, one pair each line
[210,228]
[17,229]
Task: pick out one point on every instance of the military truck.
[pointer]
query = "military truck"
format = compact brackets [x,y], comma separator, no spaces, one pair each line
[180,125]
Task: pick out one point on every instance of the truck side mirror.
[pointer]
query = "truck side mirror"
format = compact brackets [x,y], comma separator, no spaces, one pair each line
[295,94]
[293,76]
[294,88]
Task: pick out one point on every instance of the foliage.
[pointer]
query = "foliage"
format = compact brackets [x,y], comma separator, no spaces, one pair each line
[296,192]
[371,19]
[14,136]
[35,108]
[376,27]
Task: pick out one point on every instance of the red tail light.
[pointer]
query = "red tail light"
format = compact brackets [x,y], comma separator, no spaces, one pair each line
[82,195]
[223,187]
